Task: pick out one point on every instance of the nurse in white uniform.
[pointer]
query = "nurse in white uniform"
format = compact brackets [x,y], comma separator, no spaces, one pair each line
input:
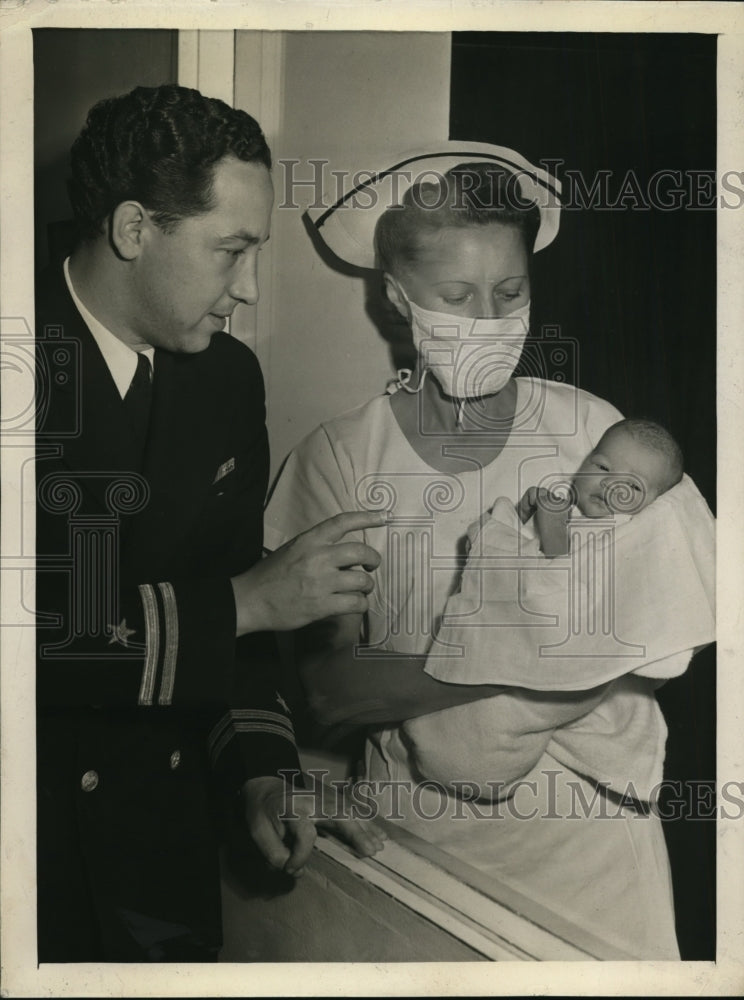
[453,237]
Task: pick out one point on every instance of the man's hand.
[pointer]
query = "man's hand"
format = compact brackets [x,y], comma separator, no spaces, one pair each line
[282,823]
[313,576]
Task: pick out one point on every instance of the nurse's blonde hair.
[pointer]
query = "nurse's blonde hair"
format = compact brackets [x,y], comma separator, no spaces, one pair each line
[470,194]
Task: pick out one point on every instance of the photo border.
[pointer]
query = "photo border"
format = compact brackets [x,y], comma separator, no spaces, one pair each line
[20,976]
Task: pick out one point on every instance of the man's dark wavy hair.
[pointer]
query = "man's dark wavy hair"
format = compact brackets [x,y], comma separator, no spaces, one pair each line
[158,146]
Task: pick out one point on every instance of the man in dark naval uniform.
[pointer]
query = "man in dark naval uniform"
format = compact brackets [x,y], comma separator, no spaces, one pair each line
[157,693]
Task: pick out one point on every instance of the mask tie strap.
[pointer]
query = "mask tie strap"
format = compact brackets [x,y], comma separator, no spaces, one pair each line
[402,381]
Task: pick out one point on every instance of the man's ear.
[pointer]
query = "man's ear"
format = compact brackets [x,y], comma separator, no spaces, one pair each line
[127,229]
[395,295]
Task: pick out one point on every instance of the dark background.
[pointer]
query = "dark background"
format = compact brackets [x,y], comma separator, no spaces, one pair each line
[73,69]
[635,288]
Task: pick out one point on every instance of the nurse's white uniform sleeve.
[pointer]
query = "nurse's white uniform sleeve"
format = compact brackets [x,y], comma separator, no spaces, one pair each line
[631,597]
[310,488]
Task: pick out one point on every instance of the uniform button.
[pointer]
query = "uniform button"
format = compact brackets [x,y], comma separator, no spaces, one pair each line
[89,781]
[175,759]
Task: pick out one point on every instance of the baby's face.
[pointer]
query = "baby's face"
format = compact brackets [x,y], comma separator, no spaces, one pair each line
[621,476]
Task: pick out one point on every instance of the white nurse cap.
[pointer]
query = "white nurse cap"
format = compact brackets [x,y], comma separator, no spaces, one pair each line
[346,222]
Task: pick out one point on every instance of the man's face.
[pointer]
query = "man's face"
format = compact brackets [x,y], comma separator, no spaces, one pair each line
[189,280]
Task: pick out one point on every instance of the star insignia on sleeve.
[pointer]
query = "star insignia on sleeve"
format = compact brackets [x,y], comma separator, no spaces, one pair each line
[283,703]
[120,633]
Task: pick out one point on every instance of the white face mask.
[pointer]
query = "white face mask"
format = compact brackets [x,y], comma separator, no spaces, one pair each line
[469,357]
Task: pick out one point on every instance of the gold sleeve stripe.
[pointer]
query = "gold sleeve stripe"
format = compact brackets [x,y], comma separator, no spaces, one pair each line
[170,611]
[216,731]
[152,644]
[264,727]
[260,714]
[236,715]
[216,747]
[220,736]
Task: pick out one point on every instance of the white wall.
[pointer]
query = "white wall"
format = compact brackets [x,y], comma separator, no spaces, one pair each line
[351,98]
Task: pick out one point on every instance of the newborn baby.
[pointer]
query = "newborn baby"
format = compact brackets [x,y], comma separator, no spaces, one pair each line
[635,462]
[512,614]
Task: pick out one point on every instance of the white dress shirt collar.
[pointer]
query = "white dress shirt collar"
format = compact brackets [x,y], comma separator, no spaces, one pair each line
[120,359]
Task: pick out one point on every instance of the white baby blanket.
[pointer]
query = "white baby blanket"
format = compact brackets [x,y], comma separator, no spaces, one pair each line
[635,595]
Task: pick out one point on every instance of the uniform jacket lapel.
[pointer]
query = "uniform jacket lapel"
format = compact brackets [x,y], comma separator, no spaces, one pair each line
[178,462]
[80,403]
[179,458]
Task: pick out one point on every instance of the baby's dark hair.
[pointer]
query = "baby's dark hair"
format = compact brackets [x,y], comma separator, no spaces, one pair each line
[654,436]
[470,194]
[158,146]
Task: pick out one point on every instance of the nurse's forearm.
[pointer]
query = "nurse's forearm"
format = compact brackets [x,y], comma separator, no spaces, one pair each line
[383,688]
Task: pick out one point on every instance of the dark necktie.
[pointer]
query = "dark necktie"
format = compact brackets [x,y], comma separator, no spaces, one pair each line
[137,401]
